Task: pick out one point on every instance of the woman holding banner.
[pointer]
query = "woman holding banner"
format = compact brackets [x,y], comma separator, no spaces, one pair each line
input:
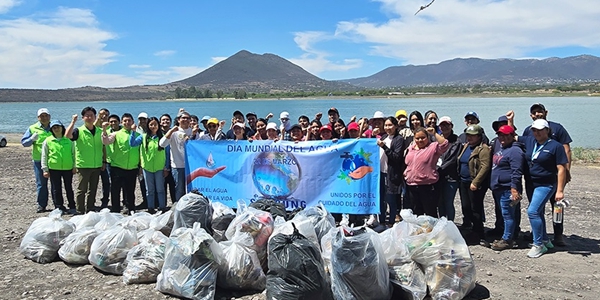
[392,159]
[421,170]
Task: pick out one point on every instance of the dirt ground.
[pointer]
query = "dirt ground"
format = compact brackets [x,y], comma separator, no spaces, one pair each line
[500,275]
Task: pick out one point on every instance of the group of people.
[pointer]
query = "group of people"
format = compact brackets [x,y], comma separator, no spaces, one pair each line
[423,162]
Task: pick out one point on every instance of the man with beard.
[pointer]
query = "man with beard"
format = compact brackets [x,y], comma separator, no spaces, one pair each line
[558,133]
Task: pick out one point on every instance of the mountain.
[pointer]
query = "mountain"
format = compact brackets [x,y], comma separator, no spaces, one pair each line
[260,73]
[470,71]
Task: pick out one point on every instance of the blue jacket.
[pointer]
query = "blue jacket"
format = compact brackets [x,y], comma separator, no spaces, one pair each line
[507,168]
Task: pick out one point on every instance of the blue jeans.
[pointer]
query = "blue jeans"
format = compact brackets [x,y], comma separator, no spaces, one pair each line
[448,192]
[41,184]
[509,213]
[155,184]
[179,176]
[539,198]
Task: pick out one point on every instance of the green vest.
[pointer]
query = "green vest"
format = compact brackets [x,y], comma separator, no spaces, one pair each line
[36,147]
[88,148]
[109,148]
[152,159]
[60,153]
[124,156]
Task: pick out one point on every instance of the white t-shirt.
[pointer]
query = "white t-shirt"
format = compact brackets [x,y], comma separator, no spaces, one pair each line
[382,156]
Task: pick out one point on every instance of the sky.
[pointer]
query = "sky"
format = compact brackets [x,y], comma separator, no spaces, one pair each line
[66,44]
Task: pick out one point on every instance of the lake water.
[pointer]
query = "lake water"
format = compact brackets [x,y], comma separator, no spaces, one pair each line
[579,115]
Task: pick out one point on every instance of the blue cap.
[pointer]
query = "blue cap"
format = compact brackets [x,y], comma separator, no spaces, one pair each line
[205,118]
[56,122]
[472,113]
[250,114]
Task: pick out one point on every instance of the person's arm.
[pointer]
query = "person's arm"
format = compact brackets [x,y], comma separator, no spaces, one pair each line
[74,159]
[69,130]
[28,138]
[395,154]
[107,139]
[562,181]
[44,160]
[485,165]
[568,165]
[165,140]
[135,140]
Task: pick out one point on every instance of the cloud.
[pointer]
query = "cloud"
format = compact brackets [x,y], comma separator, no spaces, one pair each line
[6,5]
[164,53]
[317,61]
[139,66]
[476,28]
[217,59]
[64,48]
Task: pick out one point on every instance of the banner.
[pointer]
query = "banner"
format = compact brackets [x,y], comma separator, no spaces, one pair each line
[343,175]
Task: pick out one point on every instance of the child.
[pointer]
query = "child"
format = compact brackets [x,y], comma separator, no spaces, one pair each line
[58,162]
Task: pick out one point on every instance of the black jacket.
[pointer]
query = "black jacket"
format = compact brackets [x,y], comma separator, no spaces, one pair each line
[448,169]
[395,163]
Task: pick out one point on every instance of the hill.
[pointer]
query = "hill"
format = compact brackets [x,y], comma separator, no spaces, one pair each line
[260,73]
[470,71]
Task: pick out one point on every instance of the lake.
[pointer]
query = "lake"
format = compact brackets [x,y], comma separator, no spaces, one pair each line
[576,114]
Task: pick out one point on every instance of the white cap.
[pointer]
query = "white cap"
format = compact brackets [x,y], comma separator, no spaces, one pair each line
[43,111]
[445,119]
[143,115]
[238,124]
[378,115]
[272,125]
[540,124]
[284,115]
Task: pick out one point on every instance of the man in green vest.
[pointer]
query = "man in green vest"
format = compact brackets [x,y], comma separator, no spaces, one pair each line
[89,158]
[124,164]
[34,137]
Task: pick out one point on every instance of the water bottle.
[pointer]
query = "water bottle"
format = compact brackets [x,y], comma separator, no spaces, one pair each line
[513,202]
[557,214]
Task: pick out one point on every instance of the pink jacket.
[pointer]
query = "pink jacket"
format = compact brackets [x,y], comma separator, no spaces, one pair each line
[421,164]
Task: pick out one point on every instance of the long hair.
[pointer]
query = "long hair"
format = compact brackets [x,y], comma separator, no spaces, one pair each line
[395,122]
[159,133]
[419,116]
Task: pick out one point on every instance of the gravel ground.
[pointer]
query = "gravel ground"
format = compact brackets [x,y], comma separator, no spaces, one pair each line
[500,275]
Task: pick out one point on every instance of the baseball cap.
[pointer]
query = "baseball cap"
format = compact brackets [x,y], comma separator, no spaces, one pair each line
[295,126]
[505,129]
[325,127]
[272,125]
[143,115]
[474,129]
[540,124]
[43,111]
[250,114]
[56,123]
[237,112]
[353,126]
[472,113]
[445,119]
[238,124]
[401,112]
[206,118]
[284,115]
[333,110]
[212,121]
[536,106]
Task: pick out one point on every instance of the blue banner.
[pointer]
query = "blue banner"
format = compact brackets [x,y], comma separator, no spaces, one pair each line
[343,175]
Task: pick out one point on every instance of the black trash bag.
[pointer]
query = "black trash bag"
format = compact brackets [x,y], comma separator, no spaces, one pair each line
[192,208]
[269,205]
[221,218]
[296,269]
[358,266]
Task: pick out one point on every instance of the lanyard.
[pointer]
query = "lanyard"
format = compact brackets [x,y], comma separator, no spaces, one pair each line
[536,150]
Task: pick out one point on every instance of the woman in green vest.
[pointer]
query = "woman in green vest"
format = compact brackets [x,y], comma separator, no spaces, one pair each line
[152,159]
[58,163]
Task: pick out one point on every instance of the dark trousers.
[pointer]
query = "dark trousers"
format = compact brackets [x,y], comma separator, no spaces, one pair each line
[122,180]
[105,177]
[67,177]
[144,191]
[424,199]
[472,206]
[170,187]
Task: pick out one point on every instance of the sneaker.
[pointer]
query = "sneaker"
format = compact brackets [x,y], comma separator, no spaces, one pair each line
[372,221]
[71,211]
[500,245]
[40,209]
[78,213]
[537,251]
[548,244]
[559,240]
[484,243]
[151,211]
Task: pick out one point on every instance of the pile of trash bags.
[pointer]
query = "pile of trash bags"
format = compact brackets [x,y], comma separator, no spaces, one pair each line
[201,246]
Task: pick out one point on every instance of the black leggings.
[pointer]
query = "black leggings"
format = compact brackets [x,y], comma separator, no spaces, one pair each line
[55,179]
[424,199]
